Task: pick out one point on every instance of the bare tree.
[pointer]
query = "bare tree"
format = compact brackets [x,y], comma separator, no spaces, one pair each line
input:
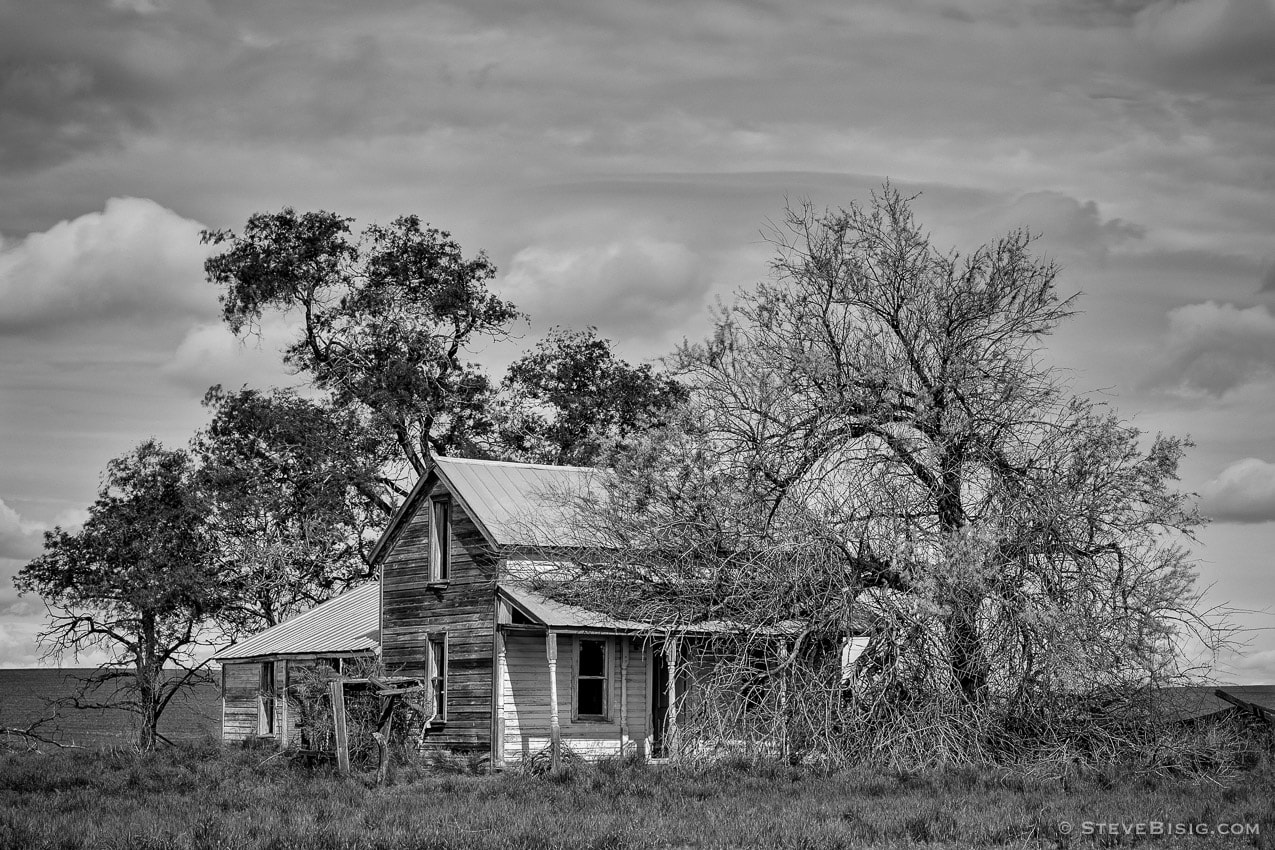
[875,441]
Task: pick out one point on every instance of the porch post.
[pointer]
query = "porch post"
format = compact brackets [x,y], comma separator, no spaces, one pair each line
[624,693]
[670,727]
[502,664]
[555,731]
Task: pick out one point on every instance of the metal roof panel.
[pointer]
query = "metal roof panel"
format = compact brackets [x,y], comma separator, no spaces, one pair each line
[521,504]
[348,623]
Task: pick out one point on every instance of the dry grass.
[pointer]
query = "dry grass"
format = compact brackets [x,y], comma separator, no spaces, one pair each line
[212,798]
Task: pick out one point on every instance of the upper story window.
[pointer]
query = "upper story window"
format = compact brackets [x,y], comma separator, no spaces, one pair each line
[440,533]
[592,678]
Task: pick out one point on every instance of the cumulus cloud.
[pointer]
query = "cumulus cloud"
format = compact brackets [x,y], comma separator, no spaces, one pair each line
[1213,348]
[640,286]
[134,259]
[19,538]
[210,354]
[1243,492]
[1199,39]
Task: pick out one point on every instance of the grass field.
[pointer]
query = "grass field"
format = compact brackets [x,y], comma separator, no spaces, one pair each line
[209,797]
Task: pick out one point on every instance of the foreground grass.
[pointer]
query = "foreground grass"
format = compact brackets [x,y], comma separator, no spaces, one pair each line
[212,798]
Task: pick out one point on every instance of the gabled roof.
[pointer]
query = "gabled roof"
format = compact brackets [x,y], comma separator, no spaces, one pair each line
[519,504]
[349,623]
[513,504]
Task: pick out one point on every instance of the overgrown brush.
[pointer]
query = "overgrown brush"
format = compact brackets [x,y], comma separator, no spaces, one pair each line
[797,717]
[310,698]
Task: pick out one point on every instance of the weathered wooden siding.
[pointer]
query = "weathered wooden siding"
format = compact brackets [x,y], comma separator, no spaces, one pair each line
[525,700]
[463,609]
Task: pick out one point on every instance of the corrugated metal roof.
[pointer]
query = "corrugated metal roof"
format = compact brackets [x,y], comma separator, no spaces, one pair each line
[520,504]
[348,623]
[557,615]
[1198,701]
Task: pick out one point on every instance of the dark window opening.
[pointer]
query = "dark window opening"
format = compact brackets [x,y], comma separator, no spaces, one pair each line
[266,724]
[591,678]
[440,539]
[438,676]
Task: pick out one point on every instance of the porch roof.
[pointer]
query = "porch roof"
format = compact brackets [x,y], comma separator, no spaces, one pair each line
[560,616]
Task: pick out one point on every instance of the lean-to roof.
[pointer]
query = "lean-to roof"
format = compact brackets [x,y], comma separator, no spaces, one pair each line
[349,623]
[1199,701]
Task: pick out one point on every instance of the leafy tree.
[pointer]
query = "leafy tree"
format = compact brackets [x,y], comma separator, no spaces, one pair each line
[874,437]
[137,582]
[385,320]
[295,494]
[571,400]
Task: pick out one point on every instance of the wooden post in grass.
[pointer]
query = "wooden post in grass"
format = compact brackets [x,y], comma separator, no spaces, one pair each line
[337,689]
[382,736]
[555,731]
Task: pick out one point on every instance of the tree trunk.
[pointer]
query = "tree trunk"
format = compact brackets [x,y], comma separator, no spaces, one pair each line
[969,668]
[148,685]
[965,644]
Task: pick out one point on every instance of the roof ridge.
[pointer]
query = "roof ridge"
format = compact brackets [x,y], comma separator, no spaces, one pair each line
[448,459]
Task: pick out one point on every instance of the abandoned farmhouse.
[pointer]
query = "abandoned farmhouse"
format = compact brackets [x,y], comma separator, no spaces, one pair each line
[505,665]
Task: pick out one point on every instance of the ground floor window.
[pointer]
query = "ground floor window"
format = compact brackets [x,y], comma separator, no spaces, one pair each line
[592,678]
[266,700]
[437,672]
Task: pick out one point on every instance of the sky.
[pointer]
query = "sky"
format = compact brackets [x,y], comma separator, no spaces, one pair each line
[620,161]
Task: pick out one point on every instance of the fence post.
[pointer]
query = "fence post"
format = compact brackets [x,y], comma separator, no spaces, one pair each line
[337,688]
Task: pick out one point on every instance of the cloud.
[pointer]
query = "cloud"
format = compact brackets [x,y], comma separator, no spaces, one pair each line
[1243,492]
[135,259]
[1268,279]
[19,538]
[1067,225]
[18,647]
[1256,667]
[210,354]
[1213,348]
[1199,40]
[641,286]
